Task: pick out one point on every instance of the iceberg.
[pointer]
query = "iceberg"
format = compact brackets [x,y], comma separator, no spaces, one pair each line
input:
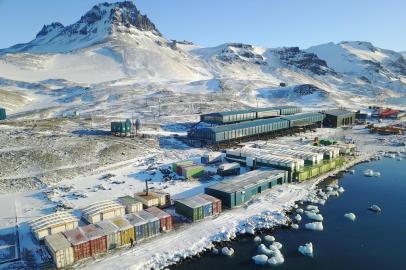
[312,208]
[227,251]
[257,239]
[294,226]
[350,216]
[269,238]
[314,216]
[299,210]
[262,249]
[275,246]
[375,208]
[276,259]
[315,226]
[341,189]
[307,249]
[260,259]
[298,218]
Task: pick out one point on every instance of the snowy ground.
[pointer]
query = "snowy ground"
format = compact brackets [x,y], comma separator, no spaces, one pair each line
[188,239]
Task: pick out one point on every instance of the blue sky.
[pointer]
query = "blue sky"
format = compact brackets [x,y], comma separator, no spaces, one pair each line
[268,23]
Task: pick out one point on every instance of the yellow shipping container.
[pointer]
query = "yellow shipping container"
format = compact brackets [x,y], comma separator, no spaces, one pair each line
[127,231]
[60,250]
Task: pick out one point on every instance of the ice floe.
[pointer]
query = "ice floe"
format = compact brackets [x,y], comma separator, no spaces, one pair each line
[294,226]
[299,210]
[227,251]
[315,226]
[307,249]
[314,216]
[276,259]
[375,208]
[269,238]
[298,218]
[262,249]
[260,259]
[275,245]
[371,173]
[350,216]
[257,239]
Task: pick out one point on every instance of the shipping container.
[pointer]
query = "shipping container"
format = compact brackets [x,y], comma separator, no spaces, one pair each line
[165,219]
[126,230]
[121,127]
[216,203]
[80,243]
[148,200]
[97,238]
[228,169]
[60,250]
[113,237]
[131,204]
[163,197]
[53,223]
[190,209]
[102,210]
[192,171]
[3,115]
[212,157]
[145,225]
[206,205]
[176,165]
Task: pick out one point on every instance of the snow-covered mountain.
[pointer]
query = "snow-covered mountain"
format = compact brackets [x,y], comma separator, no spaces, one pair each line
[114,48]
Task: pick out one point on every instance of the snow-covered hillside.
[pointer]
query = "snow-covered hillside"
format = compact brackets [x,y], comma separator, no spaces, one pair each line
[120,57]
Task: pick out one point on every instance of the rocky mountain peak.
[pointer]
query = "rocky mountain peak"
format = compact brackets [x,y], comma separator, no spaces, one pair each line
[49,28]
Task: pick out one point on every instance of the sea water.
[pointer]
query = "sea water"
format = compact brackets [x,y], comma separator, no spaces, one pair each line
[372,241]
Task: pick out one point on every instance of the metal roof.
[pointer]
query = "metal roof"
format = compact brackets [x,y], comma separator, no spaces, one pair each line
[230,112]
[300,116]
[57,242]
[247,180]
[129,200]
[107,226]
[135,219]
[101,207]
[156,212]
[189,202]
[245,124]
[52,220]
[121,222]
[91,231]
[146,216]
[76,236]
[338,112]
[273,108]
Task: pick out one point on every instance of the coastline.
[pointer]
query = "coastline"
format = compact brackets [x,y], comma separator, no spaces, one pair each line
[203,236]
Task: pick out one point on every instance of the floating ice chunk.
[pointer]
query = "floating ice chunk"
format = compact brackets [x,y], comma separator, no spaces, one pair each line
[312,207]
[250,231]
[333,193]
[315,226]
[275,245]
[269,238]
[215,251]
[307,249]
[262,249]
[341,189]
[276,259]
[352,171]
[371,173]
[294,226]
[260,259]
[329,188]
[257,239]
[227,251]
[314,216]
[299,210]
[298,218]
[321,201]
[375,208]
[350,216]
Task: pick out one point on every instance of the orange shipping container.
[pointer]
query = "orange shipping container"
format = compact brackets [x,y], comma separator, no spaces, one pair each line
[79,242]
[98,240]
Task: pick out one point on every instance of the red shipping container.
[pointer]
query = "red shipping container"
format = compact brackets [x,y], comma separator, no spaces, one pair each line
[165,219]
[98,240]
[217,207]
[79,242]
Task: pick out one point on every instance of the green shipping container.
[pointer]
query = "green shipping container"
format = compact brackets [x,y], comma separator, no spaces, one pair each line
[3,115]
[181,163]
[192,171]
[190,209]
[121,127]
